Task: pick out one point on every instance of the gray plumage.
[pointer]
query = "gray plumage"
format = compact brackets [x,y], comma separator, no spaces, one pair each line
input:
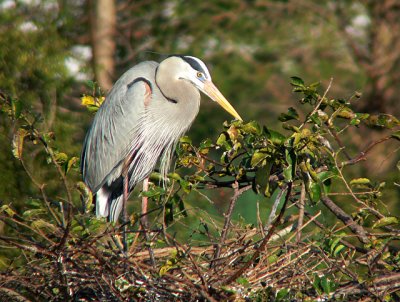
[146,112]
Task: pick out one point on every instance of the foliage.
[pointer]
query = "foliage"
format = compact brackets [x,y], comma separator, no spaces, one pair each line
[33,53]
[326,235]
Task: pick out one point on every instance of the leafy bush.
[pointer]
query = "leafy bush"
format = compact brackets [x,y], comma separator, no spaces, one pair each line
[327,235]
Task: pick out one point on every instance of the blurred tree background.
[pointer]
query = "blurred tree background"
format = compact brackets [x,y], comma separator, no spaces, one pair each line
[54,52]
[50,49]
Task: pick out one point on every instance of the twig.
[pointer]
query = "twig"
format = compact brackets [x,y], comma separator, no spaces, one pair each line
[333,132]
[228,216]
[319,104]
[301,211]
[362,155]
[240,271]
[382,284]
[273,209]
[346,219]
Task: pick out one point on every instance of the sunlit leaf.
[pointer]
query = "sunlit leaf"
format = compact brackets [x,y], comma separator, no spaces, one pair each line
[274,136]
[71,162]
[252,127]
[290,170]
[221,139]
[258,157]
[346,113]
[8,210]
[382,121]
[60,157]
[385,221]
[18,142]
[87,100]
[233,133]
[43,224]
[185,140]
[360,181]
[338,249]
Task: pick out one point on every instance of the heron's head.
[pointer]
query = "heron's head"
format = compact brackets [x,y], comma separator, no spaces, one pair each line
[193,70]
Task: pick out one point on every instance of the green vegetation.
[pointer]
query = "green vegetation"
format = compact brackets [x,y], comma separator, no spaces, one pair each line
[298,202]
[327,232]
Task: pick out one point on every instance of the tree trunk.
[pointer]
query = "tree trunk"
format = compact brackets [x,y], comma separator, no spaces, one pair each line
[102,23]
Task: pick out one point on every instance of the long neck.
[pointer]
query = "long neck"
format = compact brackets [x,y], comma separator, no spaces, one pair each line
[182,98]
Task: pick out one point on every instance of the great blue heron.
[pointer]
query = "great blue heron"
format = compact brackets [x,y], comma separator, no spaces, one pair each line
[146,112]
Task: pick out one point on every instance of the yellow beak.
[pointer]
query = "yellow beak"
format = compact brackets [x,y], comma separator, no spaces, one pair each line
[216,95]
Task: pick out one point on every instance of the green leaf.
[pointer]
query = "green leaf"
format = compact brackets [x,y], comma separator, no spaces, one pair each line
[290,127]
[282,294]
[290,170]
[290,115]
[396,135]
[346,113]
[243,281]
[297,82]
[314,86]
[18,142]
[315,192]
[181,206]
[274,136]
[16,108]
[316,283]
[258,157]
[71,163]
[325,175]
[338,249]
[168,213]
[186,186]
[360,181]
[185,140]
[60,157]
[43,224]
[91,84]
[221,139]
[382,121]
[262,178]
[33,213]
[205,146]
[333,243]
[252,127]
[326,285]
[156,191]
[355,122]
[326,179]
[272,259]
[8,210]
[385,221]
[207,143]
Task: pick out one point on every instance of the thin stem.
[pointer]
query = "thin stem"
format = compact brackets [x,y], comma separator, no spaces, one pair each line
[228,217]
[263,244]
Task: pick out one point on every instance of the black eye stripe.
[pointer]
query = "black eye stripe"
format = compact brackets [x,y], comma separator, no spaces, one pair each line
[195,65]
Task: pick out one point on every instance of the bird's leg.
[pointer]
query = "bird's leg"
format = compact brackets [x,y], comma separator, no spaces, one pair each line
[144,222]
[124,202]
[144,218]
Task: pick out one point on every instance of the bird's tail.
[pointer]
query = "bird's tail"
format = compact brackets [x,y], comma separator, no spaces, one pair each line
[108,205]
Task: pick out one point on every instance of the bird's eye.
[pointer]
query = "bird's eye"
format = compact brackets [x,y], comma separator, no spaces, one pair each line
[199,74]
